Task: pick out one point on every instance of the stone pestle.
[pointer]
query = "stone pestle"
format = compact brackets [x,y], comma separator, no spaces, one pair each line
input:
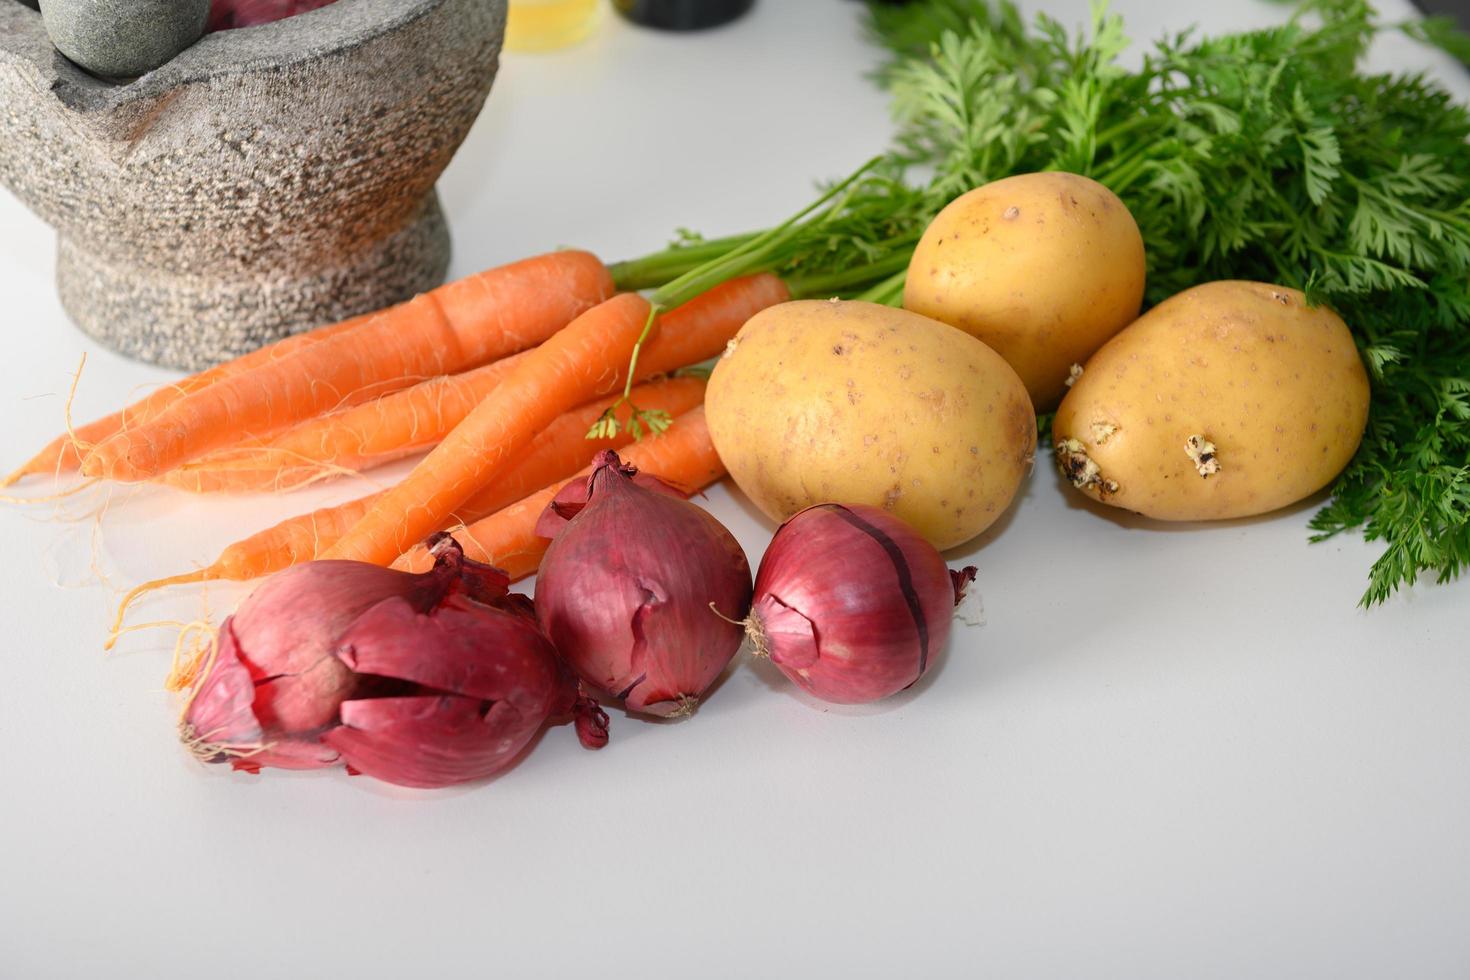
[118,39]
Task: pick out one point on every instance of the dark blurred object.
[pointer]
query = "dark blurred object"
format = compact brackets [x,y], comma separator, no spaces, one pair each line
[1456,10]
[682,15]
[1446,25]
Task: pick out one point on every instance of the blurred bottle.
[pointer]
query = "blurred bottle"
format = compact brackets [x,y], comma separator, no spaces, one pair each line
[544,25]
[682,15]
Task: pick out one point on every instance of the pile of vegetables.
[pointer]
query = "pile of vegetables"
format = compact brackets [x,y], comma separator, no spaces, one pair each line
[1262,155]
[1296,238]
[429,673]
[432,678]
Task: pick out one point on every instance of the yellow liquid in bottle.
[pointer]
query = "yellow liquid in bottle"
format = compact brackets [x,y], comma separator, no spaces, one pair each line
[543,25]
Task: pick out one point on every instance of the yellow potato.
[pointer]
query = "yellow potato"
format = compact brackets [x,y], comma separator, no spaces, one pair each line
[1227,400]
[1043,268]
[835,401]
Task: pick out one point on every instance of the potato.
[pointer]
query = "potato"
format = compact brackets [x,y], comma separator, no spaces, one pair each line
[1043,268]
[831,401]
[1227,400]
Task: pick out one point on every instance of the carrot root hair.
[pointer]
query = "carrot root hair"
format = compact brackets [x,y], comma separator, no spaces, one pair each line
[194,654]
[118,629]
[306,472]
[38,464]
[70,491]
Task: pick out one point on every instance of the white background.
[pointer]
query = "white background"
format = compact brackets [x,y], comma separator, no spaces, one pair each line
[1171,751]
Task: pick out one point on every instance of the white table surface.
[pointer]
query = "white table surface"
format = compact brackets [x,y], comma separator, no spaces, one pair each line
[1170,752]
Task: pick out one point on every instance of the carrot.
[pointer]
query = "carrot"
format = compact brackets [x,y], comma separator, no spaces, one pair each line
[699,329]
[416,418]
[583,360]
[64,453]
[682,455]
[453,328]
[372,434]
[562,448]
[555,455]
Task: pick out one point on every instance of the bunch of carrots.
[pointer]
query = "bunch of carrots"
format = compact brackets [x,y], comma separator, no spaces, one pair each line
[504,377]
[511,380]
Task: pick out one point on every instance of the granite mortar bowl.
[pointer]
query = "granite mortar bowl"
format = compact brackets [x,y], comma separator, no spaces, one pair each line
[264,181]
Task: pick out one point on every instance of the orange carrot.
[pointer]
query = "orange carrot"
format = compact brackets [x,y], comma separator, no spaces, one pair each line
[416,418]
[453,328]
[583,360]
[700,328]
[681,455]
[372,434]
[554,456]
[64,453]
[563,447]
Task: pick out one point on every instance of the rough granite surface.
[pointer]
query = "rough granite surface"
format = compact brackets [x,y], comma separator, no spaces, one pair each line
[266,180]
[123,38]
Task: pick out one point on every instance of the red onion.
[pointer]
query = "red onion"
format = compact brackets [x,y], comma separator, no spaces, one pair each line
[626,586]
[419,680]
[227,14]
[851,603]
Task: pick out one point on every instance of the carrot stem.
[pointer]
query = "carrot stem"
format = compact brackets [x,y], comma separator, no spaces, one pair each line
[756,254]
[889,292]
[638,349]
[753,255]
[822,285]
[652,271]
[686,337]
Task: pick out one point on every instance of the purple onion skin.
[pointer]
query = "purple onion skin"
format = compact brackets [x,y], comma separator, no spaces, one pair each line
[625,590]
[227,14]
[419,680]
[851,603]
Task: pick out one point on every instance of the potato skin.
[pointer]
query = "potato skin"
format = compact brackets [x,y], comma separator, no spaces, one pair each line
[1043,268]
[819,401]
[1276,388]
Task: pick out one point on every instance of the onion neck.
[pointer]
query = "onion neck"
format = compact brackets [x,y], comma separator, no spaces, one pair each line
[453,572]
[755,632]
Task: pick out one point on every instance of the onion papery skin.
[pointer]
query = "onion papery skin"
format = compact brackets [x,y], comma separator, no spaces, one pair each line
[851,603]
[419,680]
[625,590]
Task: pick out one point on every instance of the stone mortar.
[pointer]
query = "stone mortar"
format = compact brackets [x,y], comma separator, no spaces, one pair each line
[266,180]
